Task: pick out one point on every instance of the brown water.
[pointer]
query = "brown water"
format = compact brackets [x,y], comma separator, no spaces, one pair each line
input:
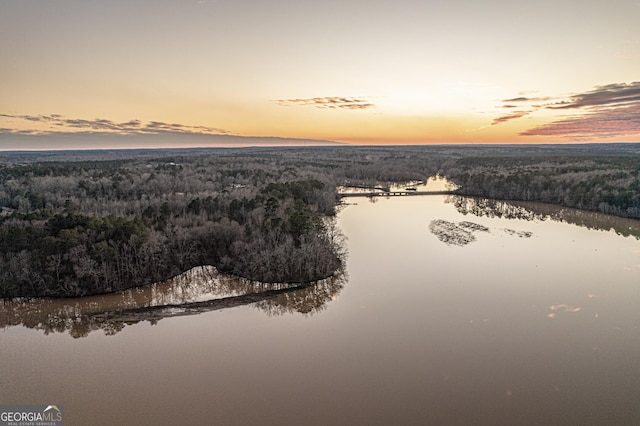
[451,311]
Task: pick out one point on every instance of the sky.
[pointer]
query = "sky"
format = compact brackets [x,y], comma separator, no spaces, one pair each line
[95,73]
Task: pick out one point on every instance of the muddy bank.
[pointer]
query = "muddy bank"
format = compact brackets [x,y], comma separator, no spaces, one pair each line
[154,313]
[199,290]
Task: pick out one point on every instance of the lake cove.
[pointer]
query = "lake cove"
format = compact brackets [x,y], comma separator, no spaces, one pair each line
[450,310]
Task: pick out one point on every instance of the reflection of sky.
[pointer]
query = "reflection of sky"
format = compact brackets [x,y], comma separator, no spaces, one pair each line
[555,256]
[420,330]
[497,294]
[434,183]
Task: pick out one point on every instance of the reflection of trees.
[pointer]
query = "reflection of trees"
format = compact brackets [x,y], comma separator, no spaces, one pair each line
[457,234]
[274,299]
[199,290]
[74,314]
[528,210]
[482,207]
[309,300]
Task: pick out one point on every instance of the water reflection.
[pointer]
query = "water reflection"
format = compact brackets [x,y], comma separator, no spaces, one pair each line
[457,234]
[563,307]
[528,210]
[489,333]
[433,183]
[200,289]
[463,233]
[308,301]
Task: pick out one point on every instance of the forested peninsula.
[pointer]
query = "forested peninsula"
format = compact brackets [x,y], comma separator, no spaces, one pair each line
[75,223]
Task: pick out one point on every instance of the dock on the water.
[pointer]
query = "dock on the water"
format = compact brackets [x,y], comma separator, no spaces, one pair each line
[392,193]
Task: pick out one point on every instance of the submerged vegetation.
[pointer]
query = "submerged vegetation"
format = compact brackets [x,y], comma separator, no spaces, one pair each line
[79,223]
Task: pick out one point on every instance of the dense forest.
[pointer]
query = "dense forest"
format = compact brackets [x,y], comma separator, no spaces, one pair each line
[606,184]
[85,222]
[86,227]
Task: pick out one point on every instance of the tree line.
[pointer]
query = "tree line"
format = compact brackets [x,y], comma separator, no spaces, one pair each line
[94,227]
[86,223]
[608,185]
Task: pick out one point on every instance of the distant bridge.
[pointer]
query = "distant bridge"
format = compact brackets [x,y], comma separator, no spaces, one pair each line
[372,188]
[392,193]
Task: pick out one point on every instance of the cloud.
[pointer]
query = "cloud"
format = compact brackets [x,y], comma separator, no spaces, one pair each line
[604,95]
[524,99]
[514,115]
[52,117]
[56,123]
[333,102]
[605,111]
[520,99]
[606,122]
[528,105]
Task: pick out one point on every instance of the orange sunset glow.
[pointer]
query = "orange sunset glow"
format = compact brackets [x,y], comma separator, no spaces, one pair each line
[167,73]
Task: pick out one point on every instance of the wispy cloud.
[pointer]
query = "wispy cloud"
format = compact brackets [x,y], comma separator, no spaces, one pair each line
[525,104]
[605,111]
[55,123]
[526,99]
[603,95]
[333,102]
[514,115]
[606,122]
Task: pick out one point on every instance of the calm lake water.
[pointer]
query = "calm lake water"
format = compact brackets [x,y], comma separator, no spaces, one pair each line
[450,311]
